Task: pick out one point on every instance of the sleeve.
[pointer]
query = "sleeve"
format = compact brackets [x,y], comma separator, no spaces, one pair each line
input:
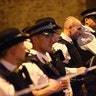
[70,70]
[87,41]
[92,46]
[6,89]
[64,49]
[37,76]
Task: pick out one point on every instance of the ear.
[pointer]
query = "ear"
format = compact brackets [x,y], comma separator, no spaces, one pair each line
[34,39]
[70,27]
[86,19]
[13,49]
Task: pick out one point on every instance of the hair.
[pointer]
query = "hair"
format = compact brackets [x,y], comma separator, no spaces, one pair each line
[70,21]
[3,53]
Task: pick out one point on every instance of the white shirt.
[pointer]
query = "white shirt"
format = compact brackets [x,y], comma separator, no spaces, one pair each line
[41,56]
[63,47]
[6,89]
[28,45]
[38,77]
[88,29]
[66,54]
[87,40]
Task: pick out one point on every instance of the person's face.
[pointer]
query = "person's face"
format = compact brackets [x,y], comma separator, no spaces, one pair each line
[19,51]
[91,22]
[76,31]
[45,43]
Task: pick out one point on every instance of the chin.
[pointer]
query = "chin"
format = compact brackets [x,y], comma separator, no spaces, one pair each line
[50,51]
[21,60]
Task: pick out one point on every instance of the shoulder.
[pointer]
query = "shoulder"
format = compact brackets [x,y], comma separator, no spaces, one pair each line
[30,57]
[29,65]
[85,38]
[57,46]
[5,90]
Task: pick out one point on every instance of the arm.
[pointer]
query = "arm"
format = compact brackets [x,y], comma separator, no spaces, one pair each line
[87,41]
[36,74]
[74,70]
[91,46]
[6,89]
[58,46]
[52,88]
[40,78]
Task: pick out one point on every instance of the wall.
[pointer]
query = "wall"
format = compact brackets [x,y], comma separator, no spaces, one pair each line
[22,13]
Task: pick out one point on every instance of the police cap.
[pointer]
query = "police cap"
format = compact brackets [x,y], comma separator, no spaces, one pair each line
[89,12]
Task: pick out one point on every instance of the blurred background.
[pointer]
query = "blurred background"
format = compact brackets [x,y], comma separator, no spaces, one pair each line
[22,13]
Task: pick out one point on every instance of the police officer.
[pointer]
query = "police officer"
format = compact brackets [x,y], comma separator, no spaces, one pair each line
[12,52]
[89,21]
[73,60]
[42,38]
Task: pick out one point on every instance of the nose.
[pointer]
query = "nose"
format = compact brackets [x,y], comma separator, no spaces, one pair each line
[52,40]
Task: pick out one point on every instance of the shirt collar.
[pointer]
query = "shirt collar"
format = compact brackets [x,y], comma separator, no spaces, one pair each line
[89,29]
[85,38]
[65,37]
[8,65]
[41,56]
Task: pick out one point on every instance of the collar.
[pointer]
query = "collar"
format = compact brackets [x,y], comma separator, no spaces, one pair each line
[89,29]
[65,37]
[8,65]
[43,58]
[85,38]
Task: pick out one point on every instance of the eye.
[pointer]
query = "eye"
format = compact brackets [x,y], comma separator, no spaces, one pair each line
[79,29]
[50,35]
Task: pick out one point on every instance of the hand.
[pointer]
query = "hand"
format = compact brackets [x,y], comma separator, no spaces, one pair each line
[65,83]
[58,86]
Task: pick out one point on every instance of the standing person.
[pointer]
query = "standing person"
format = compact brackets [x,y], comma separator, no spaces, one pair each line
[73,60]
[42,38]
